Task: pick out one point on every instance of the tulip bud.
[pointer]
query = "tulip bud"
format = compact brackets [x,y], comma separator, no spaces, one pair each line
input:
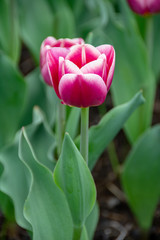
[85,74]
[145,7]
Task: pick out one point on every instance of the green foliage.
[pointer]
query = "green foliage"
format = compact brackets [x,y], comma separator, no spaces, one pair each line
[46,207]
[36,23]
[73,122]
[103,133]
[140,177]
[132,73]
[91,221]
[9,29]
[15,181]
[39,94]
[74,178]
[18,187]
[12,99]
[156,46]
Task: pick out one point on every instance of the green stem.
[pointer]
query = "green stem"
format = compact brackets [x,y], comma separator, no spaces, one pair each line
[77,233]
[84,133]
[60,126]
[113,158]
[149,37]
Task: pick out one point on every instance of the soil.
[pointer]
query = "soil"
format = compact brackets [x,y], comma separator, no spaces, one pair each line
[116,220]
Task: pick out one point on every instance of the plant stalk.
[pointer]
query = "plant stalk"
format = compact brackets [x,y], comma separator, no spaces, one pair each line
[150,37]
[60,126]
[84,133]
[77,233]
[113,158]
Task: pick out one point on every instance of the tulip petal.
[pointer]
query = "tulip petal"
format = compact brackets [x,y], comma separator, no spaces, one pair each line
[96,67]
[138,6]
[154,6]
[50,41]
[66,66]
[108,50]
[82,90]
[82,54]
[45,75]
[67,43]
[143,7]
[53,55]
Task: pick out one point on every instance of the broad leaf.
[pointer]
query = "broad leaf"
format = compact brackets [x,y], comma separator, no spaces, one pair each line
[140,177]
[12,99]
[156,46]
[35,95]
[43,142]
[103,133]
[18,187]
[46,207]
[91,221]
[15,181]
[9,25]
[73,122]
[64,24]
[132,71]
[74,178]
[39,94]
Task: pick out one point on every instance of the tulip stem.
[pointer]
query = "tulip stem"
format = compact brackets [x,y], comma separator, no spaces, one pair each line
[84,133]
[149,37]
[60,126]
[77,233]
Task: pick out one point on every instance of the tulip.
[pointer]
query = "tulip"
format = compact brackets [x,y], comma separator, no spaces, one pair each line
[83,75]
[145,7]
[61,47]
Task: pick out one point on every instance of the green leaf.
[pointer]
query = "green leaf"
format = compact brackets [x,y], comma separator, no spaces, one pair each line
[41,95]
[12,99]
[36,23]
[6,207]
[74,178]
[64,24]
[14,181]
[132,72]
[46,207]
[156,46]
[9,25]
[84,235]
[18,187]
[42,141]
[35,95]
[91,221]
[103,133]
[73,122]
[51,104]
[140,177]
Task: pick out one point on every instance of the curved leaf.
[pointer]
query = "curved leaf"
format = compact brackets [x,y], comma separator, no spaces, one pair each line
[140,177]
[132,72]
[74,178]
[12,99]
[103,133]
[46,207]
[15,181]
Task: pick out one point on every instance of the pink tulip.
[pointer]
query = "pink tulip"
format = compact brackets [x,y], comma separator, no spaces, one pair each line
[51,42]
[145,7]
[85,74]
